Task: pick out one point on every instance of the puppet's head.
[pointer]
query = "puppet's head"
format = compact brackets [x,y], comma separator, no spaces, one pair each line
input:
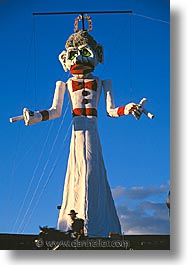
[82,54]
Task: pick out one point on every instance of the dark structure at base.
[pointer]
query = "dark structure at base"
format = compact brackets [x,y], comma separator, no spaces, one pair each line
[126,242]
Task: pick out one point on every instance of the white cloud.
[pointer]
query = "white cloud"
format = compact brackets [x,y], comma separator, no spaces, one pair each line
[138,192]
[140,211]
[145,218]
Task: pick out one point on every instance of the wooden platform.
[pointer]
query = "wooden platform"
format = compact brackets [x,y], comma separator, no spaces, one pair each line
[128,242]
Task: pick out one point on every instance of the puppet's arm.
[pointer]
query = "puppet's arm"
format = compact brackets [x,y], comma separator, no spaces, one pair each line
[31,117]
[112,111]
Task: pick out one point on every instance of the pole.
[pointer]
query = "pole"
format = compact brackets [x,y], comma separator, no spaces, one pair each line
[83,12]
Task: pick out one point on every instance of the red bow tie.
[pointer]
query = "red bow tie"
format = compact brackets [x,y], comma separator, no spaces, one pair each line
[92,85]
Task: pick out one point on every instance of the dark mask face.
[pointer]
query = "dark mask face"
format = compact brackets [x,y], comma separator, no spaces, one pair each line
[82,54]
[81,60]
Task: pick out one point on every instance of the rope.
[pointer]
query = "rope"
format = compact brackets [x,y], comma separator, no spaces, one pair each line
[33,176]
[48,179]
[44,169]
[35,63]
[116,40]
[33,40]
[11,178]
[14,165]
[151,18]
[28,61]
[131,53]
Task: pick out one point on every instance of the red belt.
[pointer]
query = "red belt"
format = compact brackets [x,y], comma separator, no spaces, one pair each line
[85,112]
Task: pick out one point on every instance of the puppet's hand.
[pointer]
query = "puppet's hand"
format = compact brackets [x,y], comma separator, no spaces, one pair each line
[31,117]
[134,109]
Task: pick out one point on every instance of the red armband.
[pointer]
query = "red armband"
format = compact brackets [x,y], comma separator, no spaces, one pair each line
[121,110]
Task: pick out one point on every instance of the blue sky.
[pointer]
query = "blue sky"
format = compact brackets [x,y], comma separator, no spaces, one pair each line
[136,153]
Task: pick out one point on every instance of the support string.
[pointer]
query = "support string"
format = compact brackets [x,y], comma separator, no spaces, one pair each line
[44,169]
[48,179]
[33,176]
[151,18]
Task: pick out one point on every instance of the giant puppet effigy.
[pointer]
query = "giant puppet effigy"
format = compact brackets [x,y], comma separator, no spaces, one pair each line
[86,188]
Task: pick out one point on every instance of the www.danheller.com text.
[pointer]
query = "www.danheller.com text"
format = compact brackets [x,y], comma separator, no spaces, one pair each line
[88,243]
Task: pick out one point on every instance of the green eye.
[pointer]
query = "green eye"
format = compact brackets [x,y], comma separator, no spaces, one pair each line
[72,55]
[85,52]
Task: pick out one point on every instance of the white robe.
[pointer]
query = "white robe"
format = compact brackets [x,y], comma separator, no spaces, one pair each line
[86,189]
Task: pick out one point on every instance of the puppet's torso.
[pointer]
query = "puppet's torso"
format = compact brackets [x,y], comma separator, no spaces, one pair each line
[84,94]
[86,189]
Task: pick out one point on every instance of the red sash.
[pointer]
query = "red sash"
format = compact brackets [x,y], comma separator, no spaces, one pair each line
[85,112]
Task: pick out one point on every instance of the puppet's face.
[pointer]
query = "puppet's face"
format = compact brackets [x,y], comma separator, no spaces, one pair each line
[81,58]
